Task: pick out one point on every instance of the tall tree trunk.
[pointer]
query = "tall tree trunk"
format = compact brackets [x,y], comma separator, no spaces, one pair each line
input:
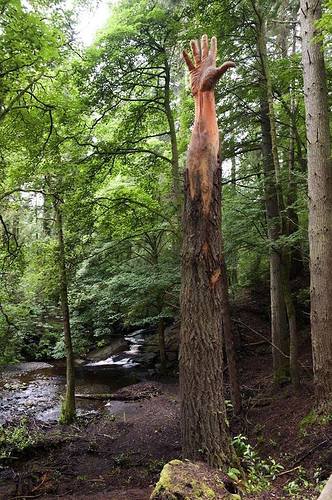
[292,258]
[294,366]
[162,347]
[203,415]
[174,145]
[68,411]
[233,268]
[229,340]
[273,199]
[320,199]
[47,216]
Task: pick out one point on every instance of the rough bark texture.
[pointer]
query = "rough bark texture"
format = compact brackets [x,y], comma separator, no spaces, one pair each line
[278,312]
[203,416]
[227,331]
[162,348]
[292,259]
[273,201]
[68,410]
[294,367]
[320,199]
[174,146]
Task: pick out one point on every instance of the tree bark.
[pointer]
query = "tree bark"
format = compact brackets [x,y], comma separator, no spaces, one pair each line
[292,259]
[203,415]
[273,199]
[320,199]
[174,145]
[162,348]
[278,312]
[68,410]
[229,340]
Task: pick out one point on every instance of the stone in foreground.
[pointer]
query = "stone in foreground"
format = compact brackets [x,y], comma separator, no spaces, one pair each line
[184,480]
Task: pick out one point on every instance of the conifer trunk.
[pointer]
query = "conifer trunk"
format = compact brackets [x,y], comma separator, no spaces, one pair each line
[203,415]
[227,331]
[273,202]
[279,328]
[320,199]
[162,347]
[68,410]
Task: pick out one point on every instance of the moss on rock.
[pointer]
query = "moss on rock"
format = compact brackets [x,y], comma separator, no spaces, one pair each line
[184,480]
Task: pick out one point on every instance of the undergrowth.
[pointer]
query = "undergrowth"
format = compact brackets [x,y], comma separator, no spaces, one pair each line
[259,472]
[15,439]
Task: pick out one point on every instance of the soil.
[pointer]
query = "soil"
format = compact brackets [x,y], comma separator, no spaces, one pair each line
[119,453]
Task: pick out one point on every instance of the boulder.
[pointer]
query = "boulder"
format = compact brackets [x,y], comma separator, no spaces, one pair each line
[185,480]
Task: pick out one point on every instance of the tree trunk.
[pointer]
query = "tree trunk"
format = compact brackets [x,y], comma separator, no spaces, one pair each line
[229,340]
[233,268]
[292,259]
[68,411]
[292,322]
[174,145]
[203,415]
[320,199]
[273,199]
[278,313]
[162,348]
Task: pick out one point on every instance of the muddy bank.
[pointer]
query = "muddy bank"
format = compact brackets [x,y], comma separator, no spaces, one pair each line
[117,453]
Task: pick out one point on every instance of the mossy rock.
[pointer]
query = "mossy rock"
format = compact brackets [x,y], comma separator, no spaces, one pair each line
[184,480]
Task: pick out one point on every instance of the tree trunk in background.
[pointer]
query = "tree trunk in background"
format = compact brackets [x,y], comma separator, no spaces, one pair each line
[47,215]
[162,348]
[278,312]
[230,343]
[233,267]
[279,329]
[292,259]
[229,340]
[294,367]
[68,411]
[320,200]
[291,256]
[177,198]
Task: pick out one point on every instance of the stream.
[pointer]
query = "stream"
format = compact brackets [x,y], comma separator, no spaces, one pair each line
[34,389]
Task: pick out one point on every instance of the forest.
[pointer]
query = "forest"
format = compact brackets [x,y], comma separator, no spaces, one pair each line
[165,249]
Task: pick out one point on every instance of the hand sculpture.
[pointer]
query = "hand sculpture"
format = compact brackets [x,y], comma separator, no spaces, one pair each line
[203,152]
[204,74]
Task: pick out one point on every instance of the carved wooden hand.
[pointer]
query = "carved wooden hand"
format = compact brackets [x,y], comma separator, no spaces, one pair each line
[203,72]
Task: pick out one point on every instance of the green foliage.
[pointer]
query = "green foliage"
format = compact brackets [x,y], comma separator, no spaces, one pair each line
[314,418]
[297,487]
[15,440]
[259,472]
[93,128]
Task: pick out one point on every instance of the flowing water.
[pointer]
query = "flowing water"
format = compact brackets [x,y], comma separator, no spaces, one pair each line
[35,389]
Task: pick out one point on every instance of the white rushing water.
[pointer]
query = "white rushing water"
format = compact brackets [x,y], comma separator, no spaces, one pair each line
[127,358]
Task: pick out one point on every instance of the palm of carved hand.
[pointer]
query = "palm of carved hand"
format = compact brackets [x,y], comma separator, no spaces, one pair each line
[203,72]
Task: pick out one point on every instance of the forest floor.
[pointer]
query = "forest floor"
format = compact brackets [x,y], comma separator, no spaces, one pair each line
[119,453]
